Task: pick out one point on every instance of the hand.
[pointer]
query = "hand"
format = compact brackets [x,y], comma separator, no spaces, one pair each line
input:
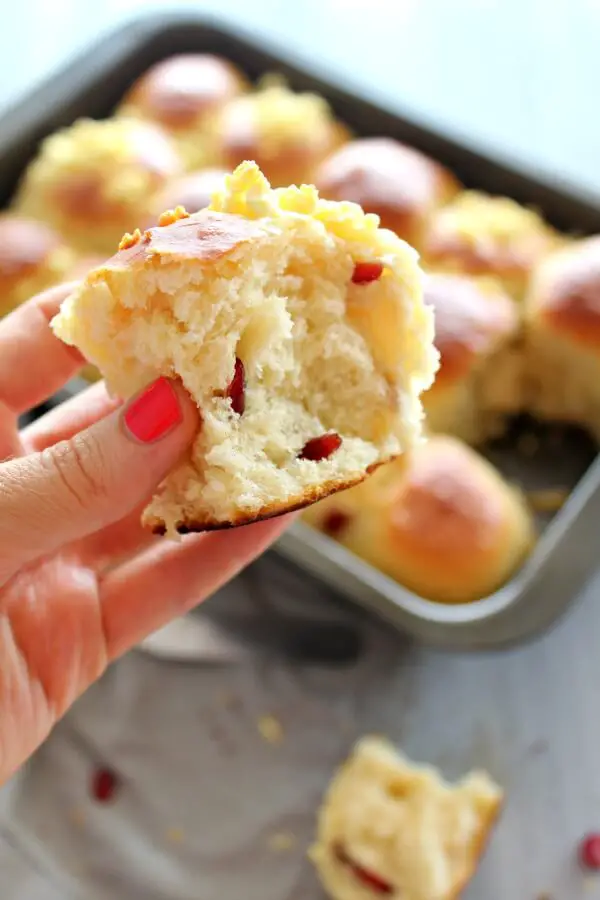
[80,580]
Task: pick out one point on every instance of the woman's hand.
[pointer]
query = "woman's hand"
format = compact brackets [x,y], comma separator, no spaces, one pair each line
[80,580]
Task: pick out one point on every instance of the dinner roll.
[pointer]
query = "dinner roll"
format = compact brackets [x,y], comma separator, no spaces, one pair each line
[285,133]
[389,827]
[402,186]
[95,180]
[477,333]
[181,94]
[193,191]
[296,324]
[562,336]
[481,235]
[32,258]
[448,528]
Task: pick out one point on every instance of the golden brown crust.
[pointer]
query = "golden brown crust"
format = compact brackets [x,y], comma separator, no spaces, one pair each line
[443,505]
[295,159]
[470,318]
[205,236]
[479,235]
[178,91]
[311,495]
[82,194]
[399,184]
[450,530]
[566,292]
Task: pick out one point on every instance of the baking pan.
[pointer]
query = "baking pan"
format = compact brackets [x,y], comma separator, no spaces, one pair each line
[566,554]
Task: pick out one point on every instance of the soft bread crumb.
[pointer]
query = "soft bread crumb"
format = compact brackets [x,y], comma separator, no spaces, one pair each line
[400,824]
[264,277]
[281,841]
[270,729]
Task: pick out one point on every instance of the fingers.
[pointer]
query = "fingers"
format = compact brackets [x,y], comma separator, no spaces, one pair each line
[34,363]
[93,479]
[10,443]
[116,543]
[142,595]
[68,419]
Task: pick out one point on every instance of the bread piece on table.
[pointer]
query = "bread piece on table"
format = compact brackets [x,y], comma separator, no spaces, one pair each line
[402,186]
[391,828]
[445,524]
[286,133]
[296,324]
[478,234]
[33,257]
[477,333]
[95,180]
[562,337]
[182,94]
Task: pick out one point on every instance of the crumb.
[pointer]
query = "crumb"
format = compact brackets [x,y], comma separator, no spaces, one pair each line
[547,500]
[172,215]
[130,240]
[281,841]
[77,816]
[543,896]
[528,444]
[175,835]
[270,729]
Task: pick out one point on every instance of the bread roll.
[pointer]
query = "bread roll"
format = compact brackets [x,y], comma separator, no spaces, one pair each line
[297,325]
[481,235]
[285,133]
[402,186]
[447,526]
[388,827]
[477,333]
[181,94]
[562,337]
[95,180]
[32,258]
[193,191]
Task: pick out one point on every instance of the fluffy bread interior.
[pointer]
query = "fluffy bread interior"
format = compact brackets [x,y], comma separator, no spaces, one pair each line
[264,277]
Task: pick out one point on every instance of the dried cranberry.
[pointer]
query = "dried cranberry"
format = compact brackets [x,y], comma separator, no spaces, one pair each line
[589,851]
[104,785]
[236,389]
[366,272]
[321,447]
[335,522]
[369,879]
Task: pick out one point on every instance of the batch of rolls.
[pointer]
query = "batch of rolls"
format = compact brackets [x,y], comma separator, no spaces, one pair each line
[517,305]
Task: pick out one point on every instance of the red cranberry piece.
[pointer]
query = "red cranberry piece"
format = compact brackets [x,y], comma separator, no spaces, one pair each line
[369,879]
[366,272]
[335,522]
[589,851]
[236,389]
[321,447]
[104,785]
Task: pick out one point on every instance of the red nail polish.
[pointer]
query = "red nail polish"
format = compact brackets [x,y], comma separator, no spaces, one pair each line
[154,413]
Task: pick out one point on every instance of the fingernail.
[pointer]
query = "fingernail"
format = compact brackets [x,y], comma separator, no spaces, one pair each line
[154,413]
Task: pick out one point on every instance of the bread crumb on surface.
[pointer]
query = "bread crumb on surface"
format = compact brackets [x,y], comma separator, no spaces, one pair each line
[175,835]
[281,841]
[270,729]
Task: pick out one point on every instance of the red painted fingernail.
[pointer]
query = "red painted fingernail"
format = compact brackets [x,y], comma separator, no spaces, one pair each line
[154,413]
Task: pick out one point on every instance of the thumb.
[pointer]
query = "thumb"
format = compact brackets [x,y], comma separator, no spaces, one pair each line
[95,478]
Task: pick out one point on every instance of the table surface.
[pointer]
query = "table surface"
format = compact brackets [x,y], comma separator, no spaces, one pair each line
[519,76]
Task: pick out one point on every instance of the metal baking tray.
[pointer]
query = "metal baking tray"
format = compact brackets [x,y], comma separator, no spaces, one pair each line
[566,554]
